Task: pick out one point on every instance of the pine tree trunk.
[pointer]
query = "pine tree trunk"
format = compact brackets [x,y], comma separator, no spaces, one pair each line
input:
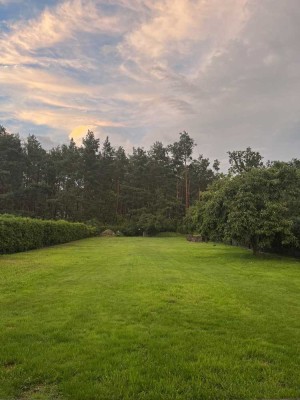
[118,195]
[186,188]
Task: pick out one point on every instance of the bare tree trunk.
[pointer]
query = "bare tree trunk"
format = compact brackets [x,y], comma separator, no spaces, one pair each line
[186,188]
[254,246]
[118,195]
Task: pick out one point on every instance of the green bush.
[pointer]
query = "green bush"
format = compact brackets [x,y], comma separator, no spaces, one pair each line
[20,234]
[137,225]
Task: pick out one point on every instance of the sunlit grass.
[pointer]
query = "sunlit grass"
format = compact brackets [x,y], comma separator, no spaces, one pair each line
[148,318]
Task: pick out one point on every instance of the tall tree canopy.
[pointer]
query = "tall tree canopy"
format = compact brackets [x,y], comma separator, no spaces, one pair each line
[244,160]
[165,187]
[97,182]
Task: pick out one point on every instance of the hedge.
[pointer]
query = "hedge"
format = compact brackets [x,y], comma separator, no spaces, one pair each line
[21,234]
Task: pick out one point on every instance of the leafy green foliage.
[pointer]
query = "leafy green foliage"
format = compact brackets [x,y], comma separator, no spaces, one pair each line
[96,181]
[256,208]
[243,160]
[163,189]
[20,234]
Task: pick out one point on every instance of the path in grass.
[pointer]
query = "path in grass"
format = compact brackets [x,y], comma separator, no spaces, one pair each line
[148,318]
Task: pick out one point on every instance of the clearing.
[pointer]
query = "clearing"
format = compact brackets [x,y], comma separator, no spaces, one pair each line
[148,318]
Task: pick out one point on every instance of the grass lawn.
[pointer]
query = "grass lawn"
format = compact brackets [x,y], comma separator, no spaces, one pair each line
[148,318]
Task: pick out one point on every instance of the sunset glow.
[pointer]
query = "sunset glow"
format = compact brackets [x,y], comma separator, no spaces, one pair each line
[142,70]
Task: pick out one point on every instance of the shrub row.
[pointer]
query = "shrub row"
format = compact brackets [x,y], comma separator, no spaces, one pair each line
[148,223]
[20,234]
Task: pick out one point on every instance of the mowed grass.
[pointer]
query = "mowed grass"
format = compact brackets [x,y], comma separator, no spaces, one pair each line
[148,318]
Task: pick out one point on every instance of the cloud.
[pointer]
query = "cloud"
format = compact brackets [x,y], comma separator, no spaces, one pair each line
[177,30]
[6,2]
[36,80]
[142,70]
[61,118]
[22,43]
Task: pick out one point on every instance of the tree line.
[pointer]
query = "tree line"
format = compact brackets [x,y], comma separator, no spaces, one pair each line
[165,188]
[100,184]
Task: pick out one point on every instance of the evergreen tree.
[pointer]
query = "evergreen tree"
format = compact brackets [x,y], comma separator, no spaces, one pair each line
[11,171]
[90,164]
[182,155]
[36,190]
[150,191]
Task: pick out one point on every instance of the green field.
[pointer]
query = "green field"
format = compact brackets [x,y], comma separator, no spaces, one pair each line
[148,318]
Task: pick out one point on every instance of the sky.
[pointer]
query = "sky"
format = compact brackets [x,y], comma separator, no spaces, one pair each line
[226,71]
